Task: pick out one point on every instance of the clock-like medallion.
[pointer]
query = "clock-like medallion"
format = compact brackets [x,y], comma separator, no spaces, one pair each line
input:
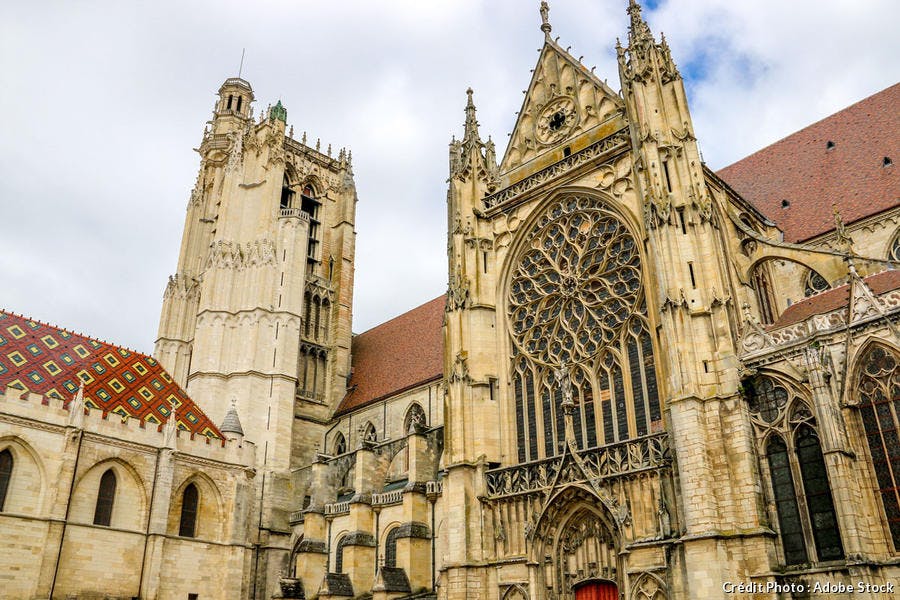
[556,121]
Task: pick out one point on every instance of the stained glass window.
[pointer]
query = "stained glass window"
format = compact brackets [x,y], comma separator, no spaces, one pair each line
[879,395]
[815,283]
[786,502]
[818,496]
[576,299]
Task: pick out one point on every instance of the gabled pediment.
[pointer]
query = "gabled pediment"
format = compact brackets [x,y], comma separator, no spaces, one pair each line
[564,101]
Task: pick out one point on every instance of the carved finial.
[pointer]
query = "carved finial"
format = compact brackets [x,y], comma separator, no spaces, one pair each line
[545,19]
[471,122]
[844,241]
[639,31]
[318,144]
[303,140]
[329,149]
[291,132]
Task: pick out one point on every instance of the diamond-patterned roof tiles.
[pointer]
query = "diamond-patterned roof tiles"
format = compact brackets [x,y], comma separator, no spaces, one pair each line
[50,361]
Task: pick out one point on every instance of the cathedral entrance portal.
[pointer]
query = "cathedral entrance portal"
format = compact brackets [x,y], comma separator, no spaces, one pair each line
[575,542]
[596,589]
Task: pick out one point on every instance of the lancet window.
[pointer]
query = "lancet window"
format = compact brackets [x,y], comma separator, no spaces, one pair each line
[6,469]
[415,417]
[311,206]
[878,392]
[763,288]
[576,301]
[106,495]
[311,372]
[799,486]
[190,504]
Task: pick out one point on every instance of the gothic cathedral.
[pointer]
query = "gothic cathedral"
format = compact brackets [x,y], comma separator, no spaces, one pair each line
[646,381]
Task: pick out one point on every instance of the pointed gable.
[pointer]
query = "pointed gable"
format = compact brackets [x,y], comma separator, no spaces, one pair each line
[563,102]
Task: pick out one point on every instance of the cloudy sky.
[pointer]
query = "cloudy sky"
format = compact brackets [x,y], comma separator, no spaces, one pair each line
[102,103]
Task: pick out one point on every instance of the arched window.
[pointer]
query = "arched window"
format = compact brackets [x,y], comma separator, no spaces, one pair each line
[340,444]
[895,248]
[808,528]
[190,502]
[763,291]
[818,496]
[415,418]
[6,469]
[786,502]
[815,283]
[879,404]
[576,301]
[369,434]
[390,547]
[106,495]
[339,554]
[311,206]
[287,194]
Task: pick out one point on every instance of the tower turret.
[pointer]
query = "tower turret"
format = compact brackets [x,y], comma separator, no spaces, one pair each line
[235,97]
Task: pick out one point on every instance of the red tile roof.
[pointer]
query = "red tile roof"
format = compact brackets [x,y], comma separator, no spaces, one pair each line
[810,176]
[50,361]
[834,299]
[397,355]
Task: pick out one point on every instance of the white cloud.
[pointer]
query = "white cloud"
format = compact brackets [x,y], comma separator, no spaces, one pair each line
[103,101]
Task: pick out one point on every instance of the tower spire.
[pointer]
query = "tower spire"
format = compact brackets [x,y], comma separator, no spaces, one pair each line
[471,122]
[638,31]
[545,19]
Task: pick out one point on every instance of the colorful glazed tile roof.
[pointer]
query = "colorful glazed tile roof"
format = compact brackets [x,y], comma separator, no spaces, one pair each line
[839,160]
[50,361]
[395,356]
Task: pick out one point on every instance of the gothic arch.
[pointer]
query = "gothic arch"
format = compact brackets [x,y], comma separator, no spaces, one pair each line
[893,249]
[575,288]
[129,506]
[856,364]
[27,484]
[210,522]
[648,586]
[415,416]
[578,532]
[516,592]
[876,396]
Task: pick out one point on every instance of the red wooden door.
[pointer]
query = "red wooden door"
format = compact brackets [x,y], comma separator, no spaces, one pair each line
[596,589]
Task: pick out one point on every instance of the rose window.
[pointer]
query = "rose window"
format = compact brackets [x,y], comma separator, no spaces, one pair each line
[577,283]
[576,299]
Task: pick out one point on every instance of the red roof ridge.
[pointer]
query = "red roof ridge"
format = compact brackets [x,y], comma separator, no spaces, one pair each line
[401,315]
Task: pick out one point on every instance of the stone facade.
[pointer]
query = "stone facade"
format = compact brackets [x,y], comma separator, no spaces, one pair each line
[645,387]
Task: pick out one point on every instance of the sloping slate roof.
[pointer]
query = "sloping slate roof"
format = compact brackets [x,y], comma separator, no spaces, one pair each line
[802,170]
[397,355]
[50,361]
[834,299]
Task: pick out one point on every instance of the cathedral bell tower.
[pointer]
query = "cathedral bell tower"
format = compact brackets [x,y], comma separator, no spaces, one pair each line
[258,312]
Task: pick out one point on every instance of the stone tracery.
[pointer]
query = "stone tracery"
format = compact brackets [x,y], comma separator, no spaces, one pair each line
[576,299]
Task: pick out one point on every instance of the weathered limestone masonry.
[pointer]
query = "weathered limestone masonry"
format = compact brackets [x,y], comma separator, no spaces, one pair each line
[59,457]
[646,380]
[258,313]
